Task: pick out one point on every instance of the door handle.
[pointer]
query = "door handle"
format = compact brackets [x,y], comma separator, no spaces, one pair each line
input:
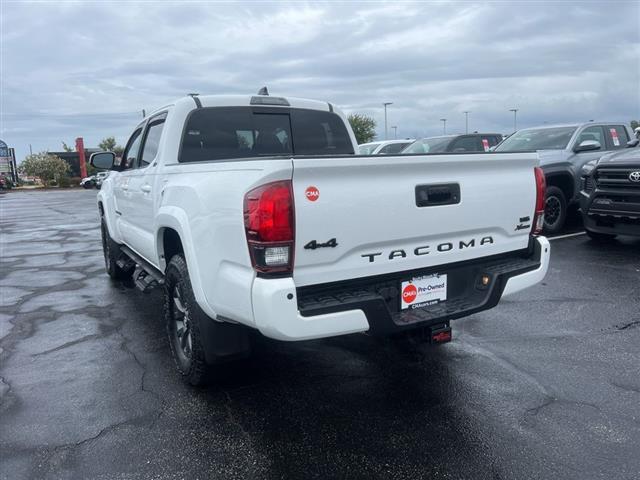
[124,188]
[145,188]
[439,194]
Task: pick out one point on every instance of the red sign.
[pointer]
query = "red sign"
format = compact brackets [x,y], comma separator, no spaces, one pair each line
[409,293]
[614,135]
[312,193]
[485,144]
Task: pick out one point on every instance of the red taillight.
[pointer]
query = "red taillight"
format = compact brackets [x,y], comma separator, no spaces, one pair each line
[269,225]
[541,190]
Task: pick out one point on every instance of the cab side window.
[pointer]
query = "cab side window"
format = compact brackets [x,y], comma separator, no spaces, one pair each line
[152,140]
[593,133]
[617,136]
[130,154]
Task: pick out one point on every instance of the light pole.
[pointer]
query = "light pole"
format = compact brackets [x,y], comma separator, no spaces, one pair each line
[444,125]
[395,132]
[385,118]
[515,118]
[466,121]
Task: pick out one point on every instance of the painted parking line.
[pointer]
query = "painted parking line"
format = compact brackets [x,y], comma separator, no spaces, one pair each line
[568,235]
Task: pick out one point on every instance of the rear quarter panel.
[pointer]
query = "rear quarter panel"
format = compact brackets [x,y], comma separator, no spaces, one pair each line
[204,202]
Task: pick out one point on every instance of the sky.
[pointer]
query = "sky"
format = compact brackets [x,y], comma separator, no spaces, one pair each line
[71,69]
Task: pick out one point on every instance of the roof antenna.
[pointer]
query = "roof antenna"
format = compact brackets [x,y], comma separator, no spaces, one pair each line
[263,91]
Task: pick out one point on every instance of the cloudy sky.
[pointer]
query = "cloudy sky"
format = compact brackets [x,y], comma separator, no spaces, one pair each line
[89,68]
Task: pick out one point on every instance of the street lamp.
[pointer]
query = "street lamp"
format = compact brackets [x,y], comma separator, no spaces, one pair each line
[466,121]
[444,125]
[395,132]
[515,118]
[385,118]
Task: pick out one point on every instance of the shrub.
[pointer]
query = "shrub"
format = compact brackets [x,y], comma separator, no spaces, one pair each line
[47,167]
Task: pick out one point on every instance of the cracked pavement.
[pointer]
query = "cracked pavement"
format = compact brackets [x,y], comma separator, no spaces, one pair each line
[546,385]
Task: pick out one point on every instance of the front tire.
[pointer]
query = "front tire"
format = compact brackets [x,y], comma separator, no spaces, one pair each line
[555,210]
[600,237]
[184,318]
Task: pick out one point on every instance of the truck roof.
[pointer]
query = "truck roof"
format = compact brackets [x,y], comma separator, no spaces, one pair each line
[246,100]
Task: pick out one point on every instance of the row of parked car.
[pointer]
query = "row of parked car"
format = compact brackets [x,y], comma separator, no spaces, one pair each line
[94,181]
[582,163]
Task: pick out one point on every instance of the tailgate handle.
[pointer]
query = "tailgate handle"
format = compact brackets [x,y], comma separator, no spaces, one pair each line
[434,195]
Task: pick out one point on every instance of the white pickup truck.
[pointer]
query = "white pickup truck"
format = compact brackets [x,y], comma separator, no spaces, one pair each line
[254,212]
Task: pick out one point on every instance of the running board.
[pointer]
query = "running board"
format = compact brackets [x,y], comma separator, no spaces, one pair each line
[145,276]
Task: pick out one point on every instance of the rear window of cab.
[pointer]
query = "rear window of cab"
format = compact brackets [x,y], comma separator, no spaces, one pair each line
[219,133]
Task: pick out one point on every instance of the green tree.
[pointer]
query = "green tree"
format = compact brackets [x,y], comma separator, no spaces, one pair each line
[363,126]
[634,124]
[66,147]
[109,144]
[45,166]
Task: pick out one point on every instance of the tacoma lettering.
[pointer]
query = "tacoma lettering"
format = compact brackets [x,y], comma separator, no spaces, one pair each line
[424,249]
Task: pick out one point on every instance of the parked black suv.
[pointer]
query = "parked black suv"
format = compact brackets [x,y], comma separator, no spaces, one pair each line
[472,142]
[610,195]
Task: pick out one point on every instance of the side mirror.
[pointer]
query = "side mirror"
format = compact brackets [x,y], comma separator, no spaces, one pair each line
[103,160]
[587,146]
[633,143]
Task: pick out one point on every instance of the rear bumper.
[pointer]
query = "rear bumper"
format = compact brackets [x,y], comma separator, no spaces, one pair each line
[372,304]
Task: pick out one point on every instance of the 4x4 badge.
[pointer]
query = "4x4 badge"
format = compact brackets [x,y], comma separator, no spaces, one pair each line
[634,176]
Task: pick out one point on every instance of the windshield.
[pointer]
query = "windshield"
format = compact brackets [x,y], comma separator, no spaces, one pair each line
[537,139]
[428,145]
[367,148]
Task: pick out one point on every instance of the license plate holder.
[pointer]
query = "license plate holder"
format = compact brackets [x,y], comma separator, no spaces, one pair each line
[423,291]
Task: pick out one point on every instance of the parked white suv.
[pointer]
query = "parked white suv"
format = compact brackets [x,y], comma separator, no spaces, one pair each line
[254,213]
[384,147]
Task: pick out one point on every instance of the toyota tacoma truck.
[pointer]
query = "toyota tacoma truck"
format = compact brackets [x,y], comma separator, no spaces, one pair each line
[254,212]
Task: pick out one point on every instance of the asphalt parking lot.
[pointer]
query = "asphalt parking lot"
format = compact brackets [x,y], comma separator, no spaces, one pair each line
[546,385]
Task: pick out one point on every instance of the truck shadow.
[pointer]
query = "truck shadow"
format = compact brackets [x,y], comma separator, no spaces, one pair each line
[355,406]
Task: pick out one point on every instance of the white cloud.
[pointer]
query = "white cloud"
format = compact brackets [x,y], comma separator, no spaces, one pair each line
[74,69]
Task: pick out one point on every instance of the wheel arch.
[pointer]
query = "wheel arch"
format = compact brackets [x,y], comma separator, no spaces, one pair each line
[564,181]
[173,235]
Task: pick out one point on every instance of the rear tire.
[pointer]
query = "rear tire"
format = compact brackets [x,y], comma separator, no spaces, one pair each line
[184,318]
[112,253]
[555,210]
[600,237]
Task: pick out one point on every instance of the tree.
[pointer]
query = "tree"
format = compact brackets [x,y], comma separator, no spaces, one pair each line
[66,147]
[634,124]
[45,166]
[363,126]
[109,144]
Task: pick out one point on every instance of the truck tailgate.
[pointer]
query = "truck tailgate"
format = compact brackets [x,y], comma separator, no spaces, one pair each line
[364,216]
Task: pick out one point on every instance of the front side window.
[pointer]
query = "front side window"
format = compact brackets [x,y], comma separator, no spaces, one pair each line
[593,134]
[151,142]
[240,132]
[537,139]
[130,154]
